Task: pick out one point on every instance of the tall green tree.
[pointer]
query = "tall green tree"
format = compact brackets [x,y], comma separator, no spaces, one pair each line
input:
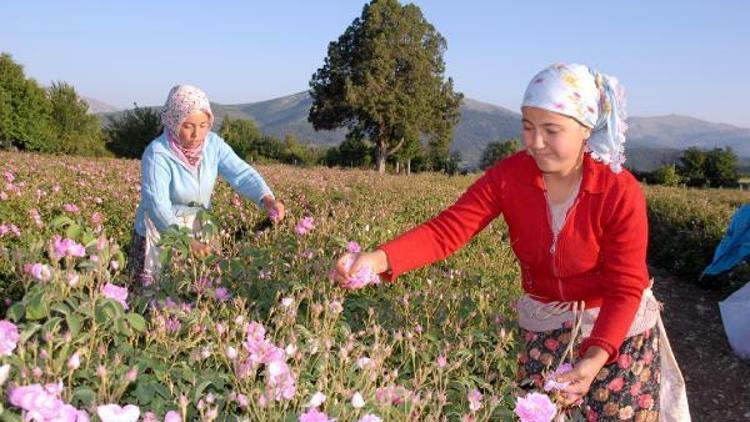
[129,133]
[667,175]
[496,151]
[384,79]
[24,109]
[242,135]
[721,168]
[76,131]
[692,167]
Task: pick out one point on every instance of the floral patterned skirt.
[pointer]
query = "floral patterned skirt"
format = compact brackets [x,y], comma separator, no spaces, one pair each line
[136,260]
[625,390]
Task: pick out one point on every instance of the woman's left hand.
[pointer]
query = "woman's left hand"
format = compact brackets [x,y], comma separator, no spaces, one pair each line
[274,208]
[582,375]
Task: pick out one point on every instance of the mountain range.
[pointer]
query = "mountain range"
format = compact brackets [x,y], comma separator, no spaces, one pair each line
[652,141]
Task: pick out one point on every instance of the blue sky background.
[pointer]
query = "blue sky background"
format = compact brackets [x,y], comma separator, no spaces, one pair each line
[685,57]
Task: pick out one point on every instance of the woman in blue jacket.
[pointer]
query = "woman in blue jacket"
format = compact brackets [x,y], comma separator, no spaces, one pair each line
[178,174]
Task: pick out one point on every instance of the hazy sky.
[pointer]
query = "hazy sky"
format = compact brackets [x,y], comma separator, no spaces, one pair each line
[686,57]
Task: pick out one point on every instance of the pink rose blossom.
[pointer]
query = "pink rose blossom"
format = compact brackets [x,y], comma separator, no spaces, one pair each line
[535,407]
[305,225]
[41,272]
[353,247]
[172,416]
[8,337]
[117,293]
[314,415]
[475,400]
[71,208]
[115,413]
[551,384]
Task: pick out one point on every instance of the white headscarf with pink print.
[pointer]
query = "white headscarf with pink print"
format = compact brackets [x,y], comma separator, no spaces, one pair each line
[181,101]
[594,99]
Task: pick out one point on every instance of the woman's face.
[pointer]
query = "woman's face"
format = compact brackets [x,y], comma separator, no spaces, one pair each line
[556,142]
[194,129]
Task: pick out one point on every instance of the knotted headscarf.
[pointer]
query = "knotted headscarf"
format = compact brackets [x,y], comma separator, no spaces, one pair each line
[181,101]
[596,100]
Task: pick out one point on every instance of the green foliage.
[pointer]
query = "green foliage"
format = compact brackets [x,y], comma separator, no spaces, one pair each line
[383,79]
[667,175]
[77,131]
[24,110]
[128,134]
[242,135]
[712,168]
[496,151]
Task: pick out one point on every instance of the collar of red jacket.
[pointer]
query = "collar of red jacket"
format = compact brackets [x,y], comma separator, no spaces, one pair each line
[593,174]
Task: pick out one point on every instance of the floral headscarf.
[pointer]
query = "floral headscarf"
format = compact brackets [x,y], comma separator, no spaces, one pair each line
[181,101]
[594,99]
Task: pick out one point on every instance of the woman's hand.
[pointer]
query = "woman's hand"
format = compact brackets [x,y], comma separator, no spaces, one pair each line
[582,375]
[199,250]
[274,209]
[376,260]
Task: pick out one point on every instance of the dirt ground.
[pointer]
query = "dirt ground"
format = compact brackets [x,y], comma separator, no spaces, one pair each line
[718,382]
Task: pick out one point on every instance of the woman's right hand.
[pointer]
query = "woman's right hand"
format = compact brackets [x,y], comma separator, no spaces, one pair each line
[199,250]
[376,260]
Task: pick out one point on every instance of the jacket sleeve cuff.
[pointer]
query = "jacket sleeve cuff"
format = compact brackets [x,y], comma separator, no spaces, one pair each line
[598,341]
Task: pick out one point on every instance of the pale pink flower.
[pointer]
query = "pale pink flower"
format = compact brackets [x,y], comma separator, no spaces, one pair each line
[115,413]
[41,272]
[231,353]
[364,275]
[305,225]
[117,293]
[353,247]
[475,400]
[9,229]
[172,416]
[34,214]
[67,247]
[222,294]
[316,400]
[74,361]
[97,218]
[314,415]
[551,384]
[8,337]
[71,208]
[44,404]
[358,401]
[369,418]
[535,407]
[442,362]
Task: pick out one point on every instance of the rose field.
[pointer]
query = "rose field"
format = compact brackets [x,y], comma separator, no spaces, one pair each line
[257,331]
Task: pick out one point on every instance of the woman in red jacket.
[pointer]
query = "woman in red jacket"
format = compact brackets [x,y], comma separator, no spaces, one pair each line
[577,224]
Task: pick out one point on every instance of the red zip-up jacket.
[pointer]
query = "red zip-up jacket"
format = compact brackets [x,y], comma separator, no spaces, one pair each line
[599,255]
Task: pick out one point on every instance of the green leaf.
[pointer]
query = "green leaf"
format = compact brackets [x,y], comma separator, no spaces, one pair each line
[199,391]
[123,328]
[36,308]
[136,321]
[28,332]
[16,312]
[83,395]
[51,324]
[60,307]
[144,391]
[73,231]
[61,221]
[74,324]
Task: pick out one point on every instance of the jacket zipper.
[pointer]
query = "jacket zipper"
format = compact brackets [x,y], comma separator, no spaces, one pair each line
[553,247]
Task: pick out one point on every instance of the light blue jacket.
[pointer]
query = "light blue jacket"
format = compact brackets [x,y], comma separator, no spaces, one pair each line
[169,189]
